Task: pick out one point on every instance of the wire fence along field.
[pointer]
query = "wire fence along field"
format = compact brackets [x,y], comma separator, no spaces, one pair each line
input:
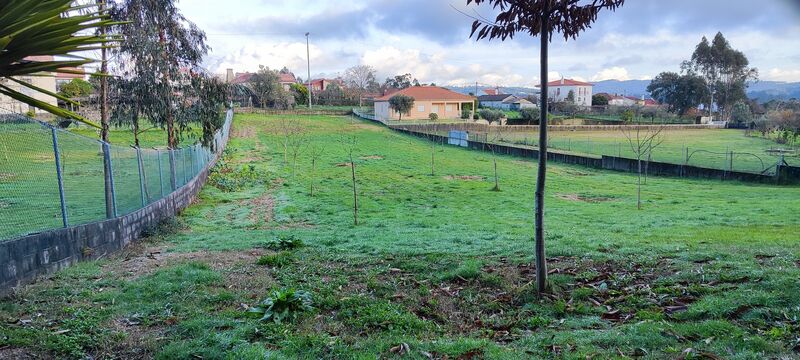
[51,178]
[723,149]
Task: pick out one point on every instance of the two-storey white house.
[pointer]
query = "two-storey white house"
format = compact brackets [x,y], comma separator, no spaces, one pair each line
[559,90]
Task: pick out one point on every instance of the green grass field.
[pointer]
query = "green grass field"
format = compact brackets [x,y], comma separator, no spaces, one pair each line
[707,147]
[150,138]
[29,193]
[439,267]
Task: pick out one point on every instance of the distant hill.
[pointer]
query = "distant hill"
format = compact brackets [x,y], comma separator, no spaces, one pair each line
[762,91]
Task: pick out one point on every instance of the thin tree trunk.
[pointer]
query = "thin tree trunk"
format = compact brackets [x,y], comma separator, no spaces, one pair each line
[496,180]
[541,262]
[172,140]
[639,184]
[104,126]
[355,193]
[433,151]
[313,172]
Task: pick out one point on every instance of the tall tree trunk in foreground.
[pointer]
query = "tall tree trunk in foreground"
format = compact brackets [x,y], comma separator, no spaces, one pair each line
[541,262]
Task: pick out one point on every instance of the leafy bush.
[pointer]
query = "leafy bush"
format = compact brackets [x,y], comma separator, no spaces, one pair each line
[491,115]
[289,242]
[627,116]
[283,304]
[433,116]
[529,114]
[228,179]
[276,260]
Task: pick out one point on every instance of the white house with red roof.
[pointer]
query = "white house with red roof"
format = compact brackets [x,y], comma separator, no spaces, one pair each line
[446,104]
[559,90]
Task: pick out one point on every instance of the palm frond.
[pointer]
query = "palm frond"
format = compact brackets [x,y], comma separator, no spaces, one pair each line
[36,28]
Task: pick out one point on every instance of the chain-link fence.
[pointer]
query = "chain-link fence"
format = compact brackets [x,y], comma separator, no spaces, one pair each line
[721,149]
[52,178]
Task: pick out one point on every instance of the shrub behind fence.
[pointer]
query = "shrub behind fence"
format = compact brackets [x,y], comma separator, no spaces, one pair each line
[52,178]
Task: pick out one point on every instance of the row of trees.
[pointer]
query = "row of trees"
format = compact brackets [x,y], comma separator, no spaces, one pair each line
[264,88]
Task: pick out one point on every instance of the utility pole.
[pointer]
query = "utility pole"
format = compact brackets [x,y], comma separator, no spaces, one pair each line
[308,57]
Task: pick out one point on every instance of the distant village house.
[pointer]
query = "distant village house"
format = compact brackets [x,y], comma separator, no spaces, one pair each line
[446,104]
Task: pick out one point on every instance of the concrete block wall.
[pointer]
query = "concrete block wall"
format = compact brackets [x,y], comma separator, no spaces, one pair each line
[24,259]
[787,175]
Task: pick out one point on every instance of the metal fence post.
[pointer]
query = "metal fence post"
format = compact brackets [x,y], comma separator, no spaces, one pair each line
[160,173]
[108,182]
[173,180]
[185,170]
[57,154]
[111,193]
[141,175]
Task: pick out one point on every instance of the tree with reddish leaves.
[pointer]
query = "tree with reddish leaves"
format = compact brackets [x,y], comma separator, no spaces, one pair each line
[540,18]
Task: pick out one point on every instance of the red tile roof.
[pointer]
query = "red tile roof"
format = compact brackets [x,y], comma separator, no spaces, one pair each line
[242,78]
[287,78]
[426,93]
[567,82]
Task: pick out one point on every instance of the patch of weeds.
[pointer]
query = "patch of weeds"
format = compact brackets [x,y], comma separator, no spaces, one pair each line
[363,314]
[654,315]
[284,242]
[80,333]
[286,304]
[228,179]
[582,293]
[469,269]
[280,259]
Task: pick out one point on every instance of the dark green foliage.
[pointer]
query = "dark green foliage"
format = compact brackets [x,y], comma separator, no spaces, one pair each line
[401,104]
[400,82]
[300,93]
[433,116]
[162,78]
[725,70]
[679,92]
[627,115]
[741,116]
[228,177]
[276,260]
[286,304]
[570,97]
[491,115]
[284,242]
[76,88]
[266,85]
[530,115]
[599,100]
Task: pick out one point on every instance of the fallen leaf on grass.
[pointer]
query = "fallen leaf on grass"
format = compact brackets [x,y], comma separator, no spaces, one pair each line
[401,349]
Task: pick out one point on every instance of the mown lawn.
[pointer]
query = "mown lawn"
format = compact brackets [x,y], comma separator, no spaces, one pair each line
[439,267]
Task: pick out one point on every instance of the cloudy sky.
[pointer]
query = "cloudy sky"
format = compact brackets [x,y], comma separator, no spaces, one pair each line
[430,39]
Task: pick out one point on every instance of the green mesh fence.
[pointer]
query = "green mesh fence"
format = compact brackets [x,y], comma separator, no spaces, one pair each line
[51,178]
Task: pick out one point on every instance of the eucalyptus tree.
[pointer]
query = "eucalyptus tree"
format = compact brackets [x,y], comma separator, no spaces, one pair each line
[160,58]
[725,69]
[540,18]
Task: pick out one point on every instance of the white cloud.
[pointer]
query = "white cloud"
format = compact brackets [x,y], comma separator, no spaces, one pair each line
[274,56]
[776,74]
[613,73]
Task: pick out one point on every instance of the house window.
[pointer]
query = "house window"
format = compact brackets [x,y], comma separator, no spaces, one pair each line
[450,108]
[421,108]
[435,109]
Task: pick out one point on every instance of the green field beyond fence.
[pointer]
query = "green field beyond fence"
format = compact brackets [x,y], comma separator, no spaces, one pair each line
[41,191]
[725,149]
